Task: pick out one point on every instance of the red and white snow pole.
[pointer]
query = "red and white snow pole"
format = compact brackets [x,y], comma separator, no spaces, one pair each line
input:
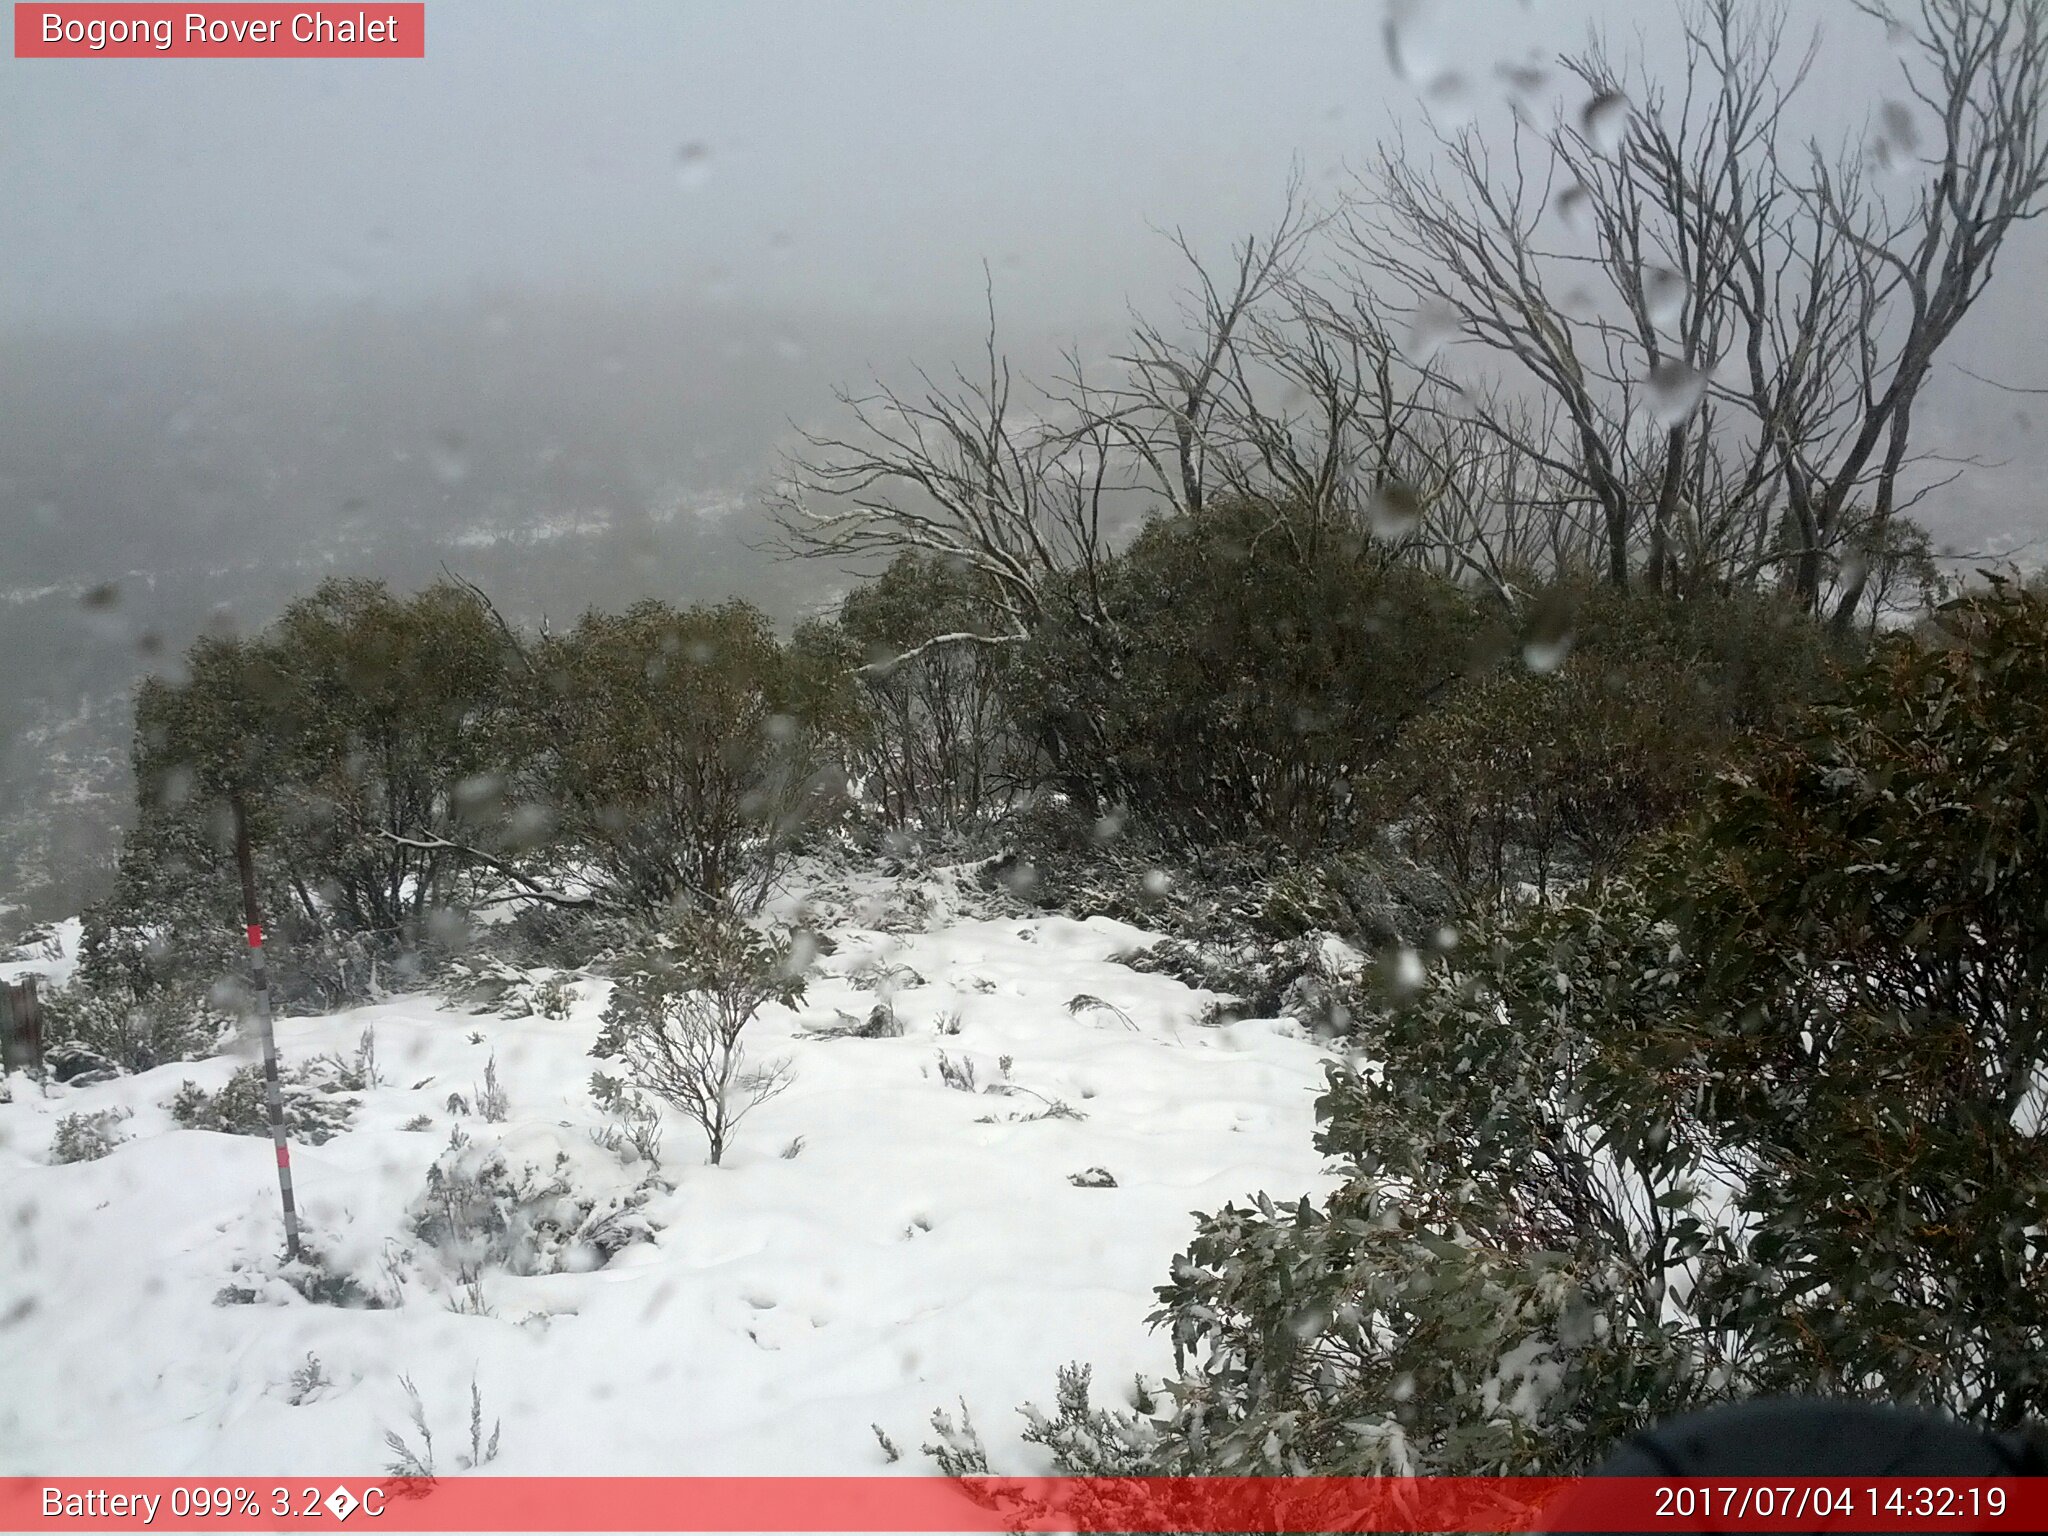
[273,1092]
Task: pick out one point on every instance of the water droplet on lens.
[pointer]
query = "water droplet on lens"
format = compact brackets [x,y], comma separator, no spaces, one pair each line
[1546,653]
[1395,510]
[450,464]
[1674,391]
[1899,129]
[1406,49]
[1605,121]
[1574,207]
[1430,329]
[1451,97]
[693,165]
[1664,294]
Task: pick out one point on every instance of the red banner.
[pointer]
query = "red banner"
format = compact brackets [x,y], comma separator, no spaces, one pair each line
[265,31]
[931,1504]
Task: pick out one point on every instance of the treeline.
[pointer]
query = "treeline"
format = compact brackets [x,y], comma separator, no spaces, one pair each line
[408,765]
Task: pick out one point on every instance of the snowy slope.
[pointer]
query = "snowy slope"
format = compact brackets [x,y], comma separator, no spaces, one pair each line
[923,1244]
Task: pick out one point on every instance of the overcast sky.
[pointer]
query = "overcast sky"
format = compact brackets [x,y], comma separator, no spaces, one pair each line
[845,152]
[863,158]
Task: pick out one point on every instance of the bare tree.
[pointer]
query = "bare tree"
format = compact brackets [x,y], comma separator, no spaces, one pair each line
[1028,495]
[960,471]
[1459,241]
[1703,238]
[1655,335]
[1979,69]
[1166,412]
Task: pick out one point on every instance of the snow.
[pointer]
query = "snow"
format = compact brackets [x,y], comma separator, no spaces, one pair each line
[923,1245]
[52,960]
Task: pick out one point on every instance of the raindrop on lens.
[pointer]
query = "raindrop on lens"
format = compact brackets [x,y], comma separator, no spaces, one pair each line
[1605,121]
[1395,510]
[1548,640]
[450,464]
[1664,294]
[693,165]
[1574,206]
[101,606]
[1430,329]
[1451,95]
[1405,48]
[1546,653]
[1899,131]
[1674,391]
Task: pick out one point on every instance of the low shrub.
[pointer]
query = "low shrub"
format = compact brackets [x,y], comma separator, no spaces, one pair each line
[527,1207]
[314,1107]
[85,1138]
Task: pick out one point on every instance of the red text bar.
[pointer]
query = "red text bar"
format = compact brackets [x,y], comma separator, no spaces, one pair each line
[932,1504]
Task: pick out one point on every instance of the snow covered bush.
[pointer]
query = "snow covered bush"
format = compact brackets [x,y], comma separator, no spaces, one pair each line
[533,1202]
[677,1013]
[487,983]
[136,1031]
[84,1138]
[634,1130]
[314,1106]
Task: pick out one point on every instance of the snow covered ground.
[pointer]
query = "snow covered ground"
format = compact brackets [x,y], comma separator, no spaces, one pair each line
[54,958]
[924,1243]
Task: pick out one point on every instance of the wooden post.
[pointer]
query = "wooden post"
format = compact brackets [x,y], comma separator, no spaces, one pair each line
[273,1093]
[21,1026]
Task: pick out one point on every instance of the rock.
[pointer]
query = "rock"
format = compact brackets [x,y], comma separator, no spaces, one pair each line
[882,1024]
[79,1065]
[1092,1178]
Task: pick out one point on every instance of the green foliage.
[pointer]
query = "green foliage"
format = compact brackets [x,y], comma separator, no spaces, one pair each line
[1248,686]
[1868,909]
[1763,1113]
[687,751]
[1526,775]
[1485,1293]
[399,718]
[940,749]
[401,760]
[367,737]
